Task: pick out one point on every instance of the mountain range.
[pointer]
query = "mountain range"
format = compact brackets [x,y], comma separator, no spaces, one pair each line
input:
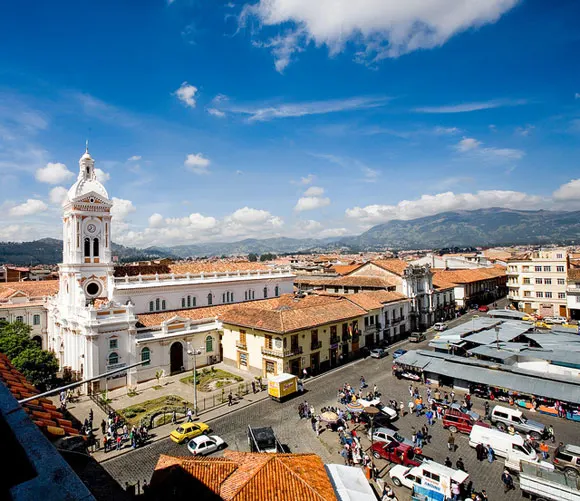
[476,228]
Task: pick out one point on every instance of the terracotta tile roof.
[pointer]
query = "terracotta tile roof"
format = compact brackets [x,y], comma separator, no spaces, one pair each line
[27,304]
[152,319]
[349,281]
[41,411]
[373,300]
[441,283]
[217,266]
[243,476]
[574,274]
[287,314]
[345,269]
[41,288]
[396,266]
[468,275]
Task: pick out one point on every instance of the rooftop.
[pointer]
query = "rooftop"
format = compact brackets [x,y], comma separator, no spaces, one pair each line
[42,288]
[349,281]
[243,476]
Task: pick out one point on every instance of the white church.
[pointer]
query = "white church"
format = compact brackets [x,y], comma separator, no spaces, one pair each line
[99,322]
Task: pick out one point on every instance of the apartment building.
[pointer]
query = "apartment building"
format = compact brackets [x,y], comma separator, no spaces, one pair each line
[573,293]
[537,282]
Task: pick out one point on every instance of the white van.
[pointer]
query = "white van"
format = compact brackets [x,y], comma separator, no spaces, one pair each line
[502,443]
[427,477]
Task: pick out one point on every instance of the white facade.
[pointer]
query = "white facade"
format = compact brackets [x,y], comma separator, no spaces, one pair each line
[29,312]
[92,321]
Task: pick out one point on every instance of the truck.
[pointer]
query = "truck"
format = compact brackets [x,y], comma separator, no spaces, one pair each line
[263,440]
[282,386]
[542,483]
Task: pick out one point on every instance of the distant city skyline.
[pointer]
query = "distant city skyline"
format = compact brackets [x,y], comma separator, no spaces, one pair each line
[217,121]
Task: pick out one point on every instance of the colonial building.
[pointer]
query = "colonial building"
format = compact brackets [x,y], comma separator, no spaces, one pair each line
[93,321]
[573,293]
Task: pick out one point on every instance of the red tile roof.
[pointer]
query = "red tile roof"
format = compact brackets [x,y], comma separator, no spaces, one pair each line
[574,274]
[42,411]
[345,269]
[373,300]
[349,281]
[217,267]
[41,288]
[396,266]
[467,276]
[243,476]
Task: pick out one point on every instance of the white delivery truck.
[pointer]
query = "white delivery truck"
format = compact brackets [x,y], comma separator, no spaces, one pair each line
[502,443]
[430,479]
[542,484]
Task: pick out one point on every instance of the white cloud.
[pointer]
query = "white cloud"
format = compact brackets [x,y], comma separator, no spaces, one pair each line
[308,227]
[135,158]
[370,175]
[311,203]
[314,191]
[429,205]
[121,209]
[473,146]
[31,206]
[380,28]
[197,163]
[239,172]
[53,173]
[467,144]
[568,191]
[156,220]
[468,107]
[186,94]
[446,130]
[525,131]
[262,113]
[307,180]
[250,217]
[102,176]
[57,195]
[216,113]
[332,232]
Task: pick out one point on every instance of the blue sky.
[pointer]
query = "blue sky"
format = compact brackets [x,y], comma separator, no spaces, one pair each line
[215,121]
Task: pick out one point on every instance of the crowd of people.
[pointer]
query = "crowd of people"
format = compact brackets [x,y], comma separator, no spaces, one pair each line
[116,432]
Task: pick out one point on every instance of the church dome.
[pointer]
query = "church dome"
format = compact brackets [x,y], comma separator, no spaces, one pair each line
[87,181]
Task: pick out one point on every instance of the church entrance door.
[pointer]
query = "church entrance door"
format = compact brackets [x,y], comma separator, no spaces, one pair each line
[176,356]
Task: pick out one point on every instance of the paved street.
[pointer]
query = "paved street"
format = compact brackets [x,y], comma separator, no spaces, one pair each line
[298,435]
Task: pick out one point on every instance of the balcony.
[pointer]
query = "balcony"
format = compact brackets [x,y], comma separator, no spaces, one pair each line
[345,338]
[272,352]
[334,340]
[241,345]
[315,345]
[573,290]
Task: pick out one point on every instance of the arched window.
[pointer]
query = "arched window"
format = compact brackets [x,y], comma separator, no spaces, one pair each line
[96,247]
[224,297]
[146,356]
[208,344]
[87,247]
[113,358]
[189,301]
[231,297]
[245,295]
[20,319]
[276,291]
[209,299]
[253,294]
[163,304]
[265,292]
[151,306]
[157,304]
[183,302]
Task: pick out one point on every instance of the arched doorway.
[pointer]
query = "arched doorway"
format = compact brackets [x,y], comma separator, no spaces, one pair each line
[38,340]
[176,356]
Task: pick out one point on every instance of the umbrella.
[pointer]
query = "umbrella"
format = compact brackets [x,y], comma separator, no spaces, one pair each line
[329,417]
[355,407]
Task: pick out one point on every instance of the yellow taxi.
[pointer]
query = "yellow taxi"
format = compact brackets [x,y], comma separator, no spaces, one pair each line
[187,431]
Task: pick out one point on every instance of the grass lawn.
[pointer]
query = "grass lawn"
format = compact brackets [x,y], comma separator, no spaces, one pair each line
[209,380]
[135,413]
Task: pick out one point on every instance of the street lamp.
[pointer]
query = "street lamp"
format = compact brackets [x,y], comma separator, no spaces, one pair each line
[497,336]
[194,353]
[473,323]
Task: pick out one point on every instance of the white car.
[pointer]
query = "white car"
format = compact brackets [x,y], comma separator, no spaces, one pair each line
[555,320]
[376,402]
[205,444]
[440,326]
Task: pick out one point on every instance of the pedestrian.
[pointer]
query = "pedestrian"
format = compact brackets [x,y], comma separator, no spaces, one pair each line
[105,444]
[448,462]
[91,417]
[486,405]
[451,442]
[425,432]
[479,451]
[118,442]
[103,427]
[301,410]
[455,491]
[508,481]
[411,390]
[189,416]
[429,416]
[452,396]
[304,373]
[460,465]
[317,427]
[401,408]
[544,450]
[311,412]
[230,399]
[344,454]
[419,437]
[558,449]
[253,387]
[490,454]
[174,417]
[414,437]
[411,407]
[551,435]
[313,422]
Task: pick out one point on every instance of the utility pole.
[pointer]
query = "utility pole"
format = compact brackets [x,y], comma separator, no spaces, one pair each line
[194,353]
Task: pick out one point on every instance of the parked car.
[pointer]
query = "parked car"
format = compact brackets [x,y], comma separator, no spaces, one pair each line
[204,444]
[455,421]
[556,320]
[389,435]
[440,326]
[472,414]
[379,420]
[483,308]
[399,353]
[187,431]
[567,459]
[395,453]
[503,444]
[417,337]
[376,402]
[503,417]
[379,353]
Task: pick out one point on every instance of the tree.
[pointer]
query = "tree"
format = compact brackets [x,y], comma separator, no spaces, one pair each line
[252,257]
[38,366]
[267,257]
[14,338]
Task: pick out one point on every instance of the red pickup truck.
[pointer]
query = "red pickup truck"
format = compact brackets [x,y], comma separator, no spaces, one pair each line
[395,453]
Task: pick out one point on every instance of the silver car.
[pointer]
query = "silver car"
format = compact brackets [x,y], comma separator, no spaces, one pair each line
[388,435]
